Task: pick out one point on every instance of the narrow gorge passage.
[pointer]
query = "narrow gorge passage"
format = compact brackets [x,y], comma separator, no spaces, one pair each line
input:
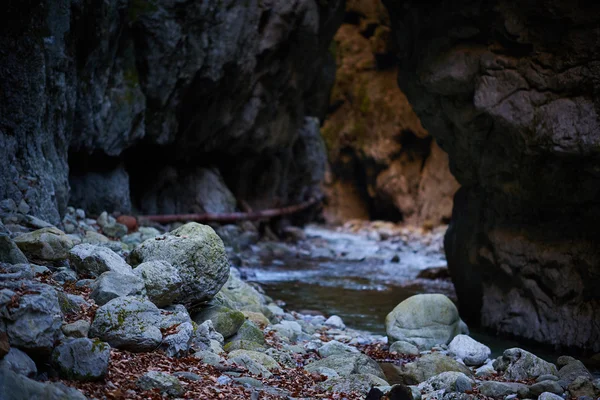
[407,193]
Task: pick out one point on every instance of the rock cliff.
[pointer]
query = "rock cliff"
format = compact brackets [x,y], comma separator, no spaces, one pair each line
[510,91]
[113,98]
[384,164]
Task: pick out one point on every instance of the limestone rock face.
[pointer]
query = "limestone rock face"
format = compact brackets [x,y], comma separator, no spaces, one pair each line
[384,164]
[133,97]
[515,106]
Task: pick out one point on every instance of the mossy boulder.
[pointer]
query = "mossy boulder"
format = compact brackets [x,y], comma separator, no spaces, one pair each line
[249,332]
[259,319]
[162,281]
[46,244]
[128,323]
[34,323]
[241,295]
[199,257]
[82,359]
[225,320]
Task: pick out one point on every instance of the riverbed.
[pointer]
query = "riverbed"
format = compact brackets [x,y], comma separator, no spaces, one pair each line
[360,272]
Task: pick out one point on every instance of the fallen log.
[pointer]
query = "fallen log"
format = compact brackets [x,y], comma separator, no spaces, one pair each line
[232,217]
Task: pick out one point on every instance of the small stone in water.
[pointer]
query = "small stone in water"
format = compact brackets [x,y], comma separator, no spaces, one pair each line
[395,259]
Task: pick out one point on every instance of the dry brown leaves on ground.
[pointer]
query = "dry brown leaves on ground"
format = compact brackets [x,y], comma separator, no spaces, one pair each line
[380,353]
[125,368]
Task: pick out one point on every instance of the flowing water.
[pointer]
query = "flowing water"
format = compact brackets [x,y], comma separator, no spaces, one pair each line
[358,276]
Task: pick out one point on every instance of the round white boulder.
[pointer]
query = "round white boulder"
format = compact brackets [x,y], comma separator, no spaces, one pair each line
[425,320]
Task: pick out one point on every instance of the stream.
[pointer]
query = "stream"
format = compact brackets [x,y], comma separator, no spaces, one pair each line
[360,272]
[360,276]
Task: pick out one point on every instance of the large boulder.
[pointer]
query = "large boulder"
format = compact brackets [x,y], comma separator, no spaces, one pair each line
[82,359]
[502,389]
[522,141]
[46,244]
[334,347]
[111,285]
[33,323]
[571,369]
[424,320]
[19,362]
[161,280]
[199,256]
[518,364]
[93,260]
[128,323]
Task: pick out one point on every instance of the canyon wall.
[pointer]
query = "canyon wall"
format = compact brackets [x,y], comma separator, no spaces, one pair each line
[383,163]
[511,92]
[130,104]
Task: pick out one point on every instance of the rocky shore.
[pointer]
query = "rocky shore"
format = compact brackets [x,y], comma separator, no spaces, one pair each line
[104,309]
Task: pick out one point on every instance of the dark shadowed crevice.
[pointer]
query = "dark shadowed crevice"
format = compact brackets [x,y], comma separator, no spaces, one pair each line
[352,17]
